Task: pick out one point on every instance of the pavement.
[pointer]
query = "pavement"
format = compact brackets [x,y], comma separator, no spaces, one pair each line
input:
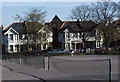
[13,71]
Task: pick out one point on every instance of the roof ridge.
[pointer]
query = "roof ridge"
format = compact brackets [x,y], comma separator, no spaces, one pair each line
[69,21]
[62,25]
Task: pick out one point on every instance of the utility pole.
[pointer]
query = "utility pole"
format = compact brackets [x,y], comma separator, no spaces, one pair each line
[1,41]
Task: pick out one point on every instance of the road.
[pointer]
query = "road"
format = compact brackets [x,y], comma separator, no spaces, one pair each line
[13,71]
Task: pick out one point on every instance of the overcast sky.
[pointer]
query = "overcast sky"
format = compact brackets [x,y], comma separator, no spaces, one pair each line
[62,8]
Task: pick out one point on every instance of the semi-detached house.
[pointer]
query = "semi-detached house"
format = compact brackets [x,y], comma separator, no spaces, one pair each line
[63,35]
[68,34]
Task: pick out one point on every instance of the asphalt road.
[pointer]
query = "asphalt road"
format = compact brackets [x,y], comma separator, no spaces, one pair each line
[28,72]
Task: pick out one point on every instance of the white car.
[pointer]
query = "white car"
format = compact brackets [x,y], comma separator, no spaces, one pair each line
[76,51]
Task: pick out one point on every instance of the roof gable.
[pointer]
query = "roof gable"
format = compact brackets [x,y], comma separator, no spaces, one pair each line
[56,18]
[11,30]
[67,29]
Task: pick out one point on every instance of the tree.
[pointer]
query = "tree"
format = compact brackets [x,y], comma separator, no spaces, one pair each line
[44,32]
[104,14]
[83,13]
[119,10]
[34,21]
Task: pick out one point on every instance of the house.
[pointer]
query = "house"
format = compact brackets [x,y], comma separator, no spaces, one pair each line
[68,34]
[116,24]
[48,37]
[17,36]
[14,36]
[62,34]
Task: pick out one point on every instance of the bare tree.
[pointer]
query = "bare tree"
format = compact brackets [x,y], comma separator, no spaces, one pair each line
[119,10]
[104,14]
[83,13]
[33,15]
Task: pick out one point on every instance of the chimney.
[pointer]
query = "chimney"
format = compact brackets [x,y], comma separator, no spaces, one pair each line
[2,27]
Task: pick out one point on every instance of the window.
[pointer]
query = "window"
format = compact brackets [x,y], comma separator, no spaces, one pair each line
[80,35]
[15,37]
[11,47]
[11,36]
[20,37]
[98,34]
[75,35]
[16,48]
[68,35]
[98,44]
[63,35]
[25,36]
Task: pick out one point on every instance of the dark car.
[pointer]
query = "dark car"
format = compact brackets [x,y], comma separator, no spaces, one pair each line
[57,51]
[67,51]
[39,52]
[32,52]
[102,51]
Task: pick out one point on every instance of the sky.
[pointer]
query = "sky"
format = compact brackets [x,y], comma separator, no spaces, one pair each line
[62,9]
[8,9]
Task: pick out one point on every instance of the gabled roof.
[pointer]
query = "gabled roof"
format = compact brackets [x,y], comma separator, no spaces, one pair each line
[117,22]
[24,27]
[71,24]
[78,25]
[30,25]
[18,27]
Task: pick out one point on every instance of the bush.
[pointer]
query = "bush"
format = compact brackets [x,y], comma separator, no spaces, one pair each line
[92,51]
[115,52]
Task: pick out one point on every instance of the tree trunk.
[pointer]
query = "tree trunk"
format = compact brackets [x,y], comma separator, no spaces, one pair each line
[84,43]
[106,45]
[84,46]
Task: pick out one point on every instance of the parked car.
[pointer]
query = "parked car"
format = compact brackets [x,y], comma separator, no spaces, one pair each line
[67,51]
[32,52]
[101,51]
[76,51]
[39,52]
[57,51]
